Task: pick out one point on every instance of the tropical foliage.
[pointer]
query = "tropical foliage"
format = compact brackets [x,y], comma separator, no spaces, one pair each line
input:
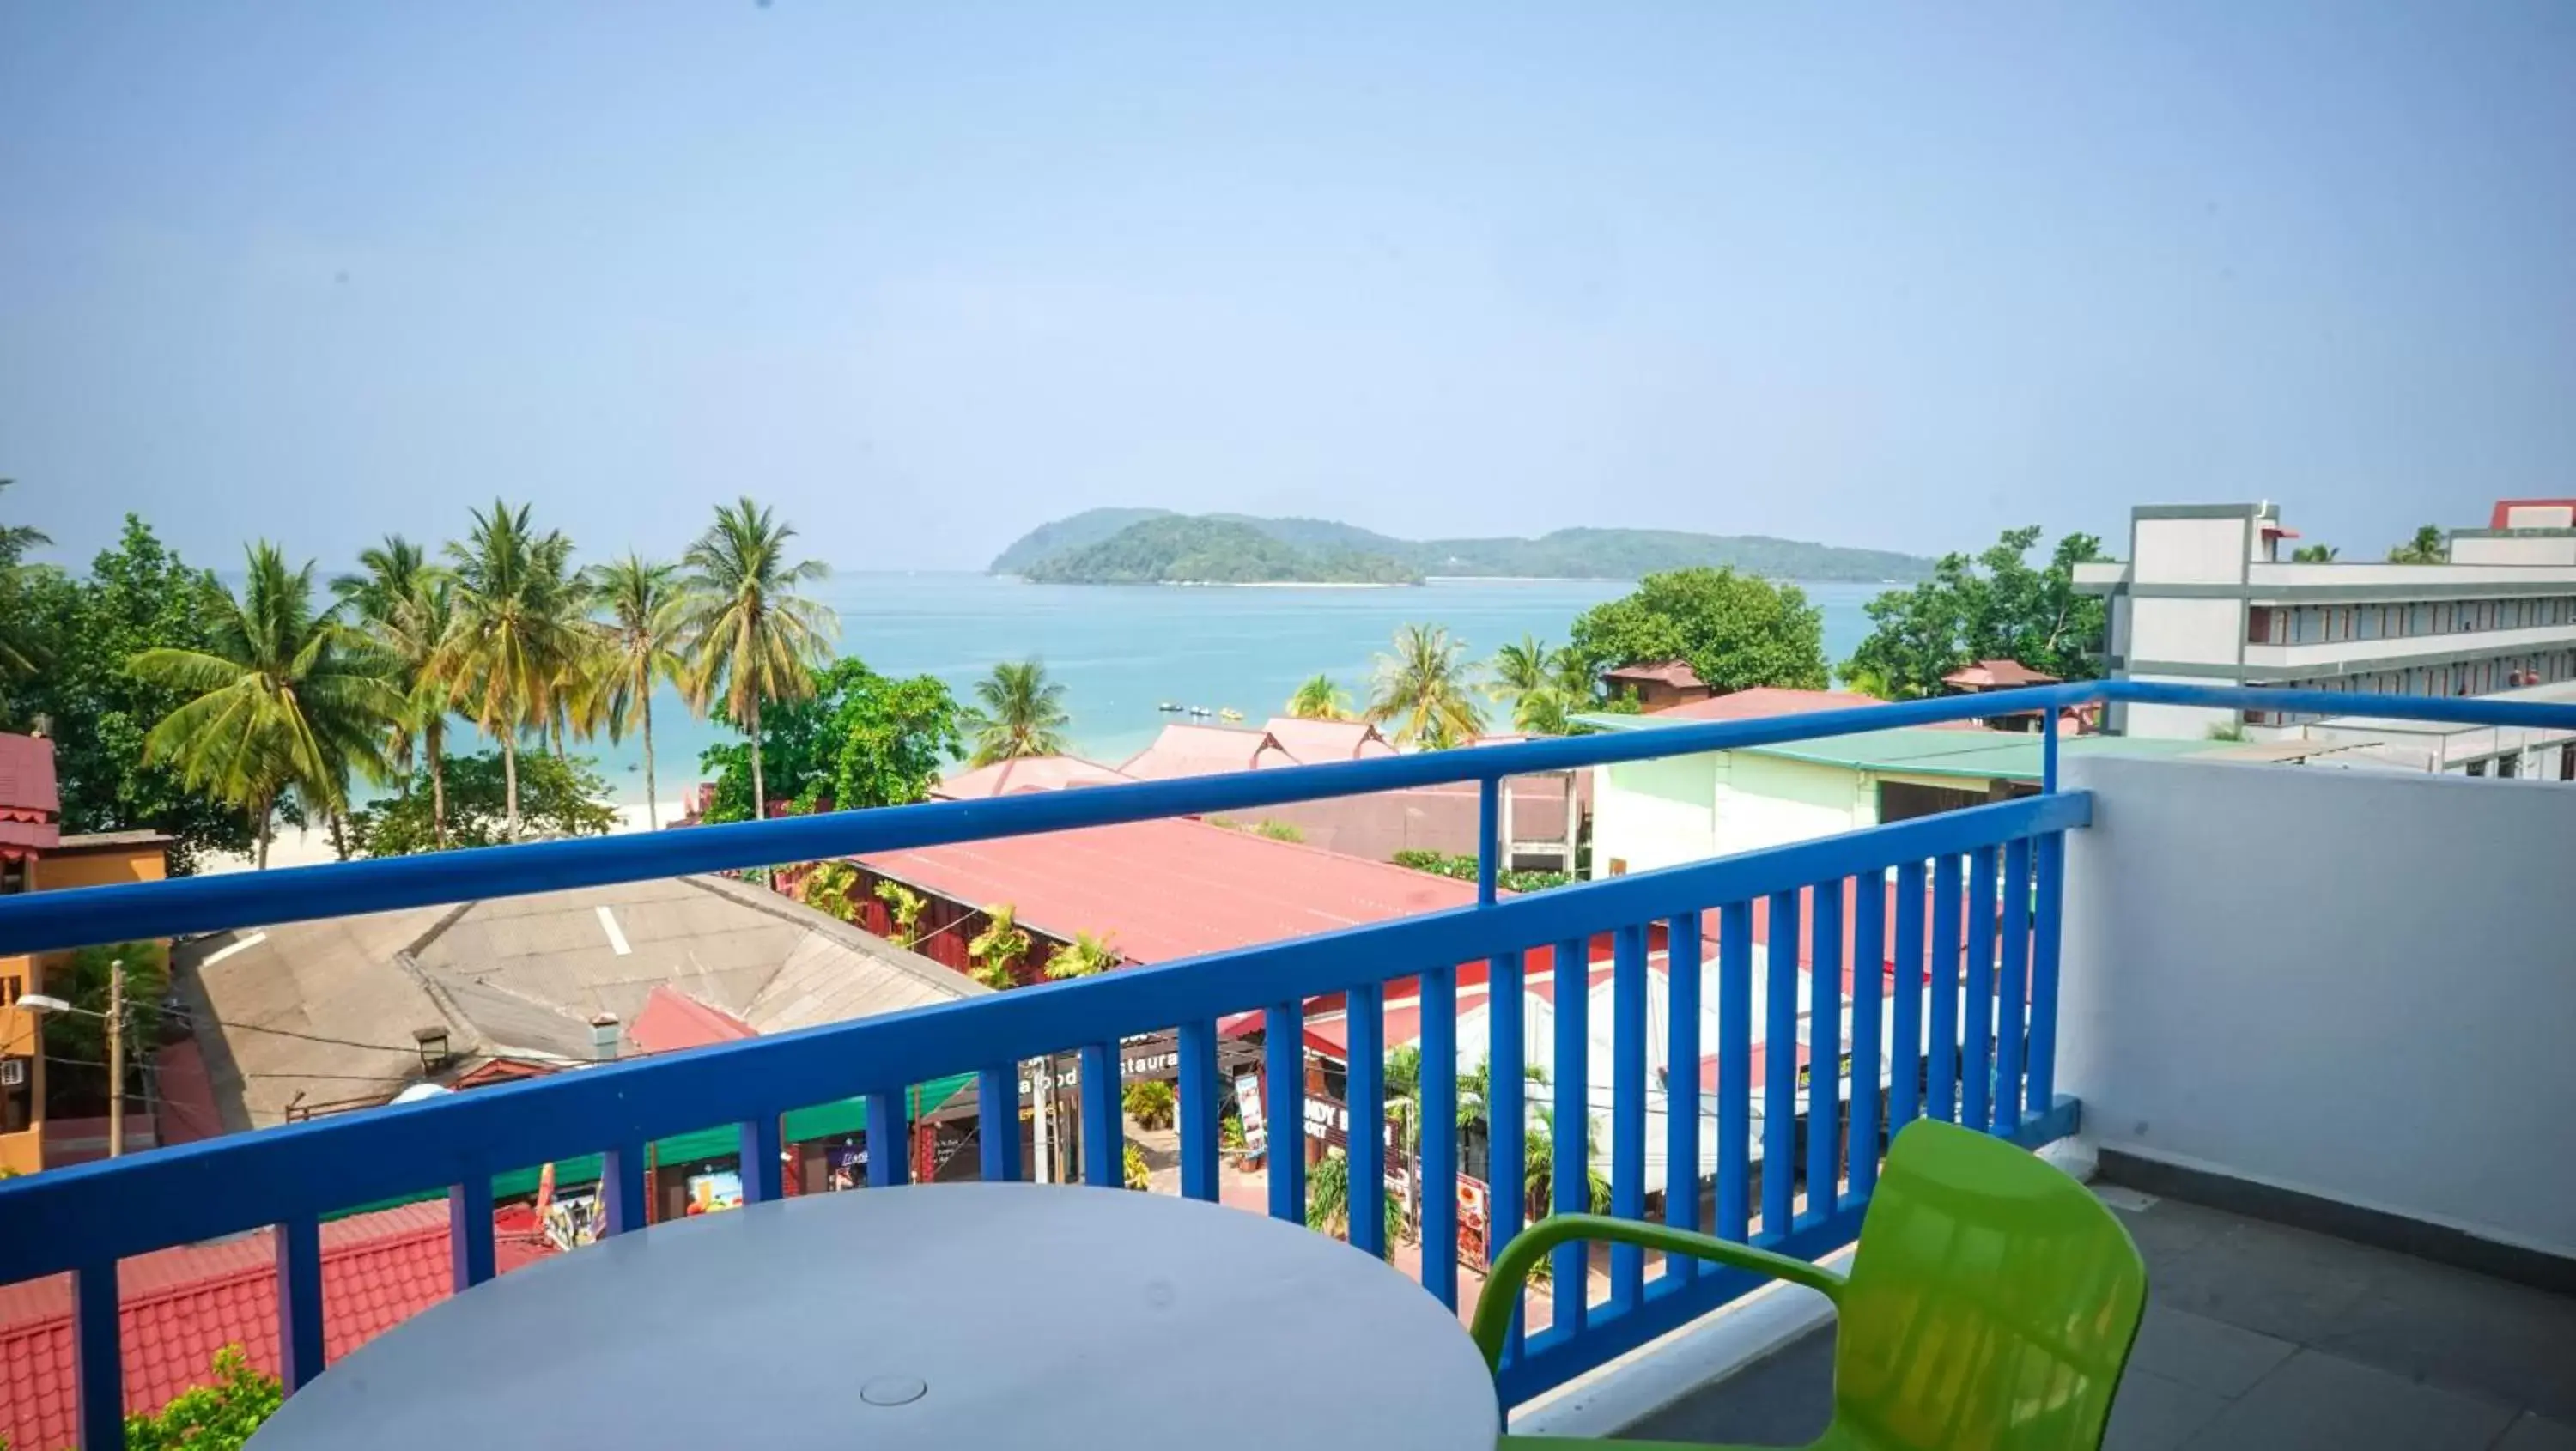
[858,739]
[22,650]
[639,650]
[75,1043]
[998,949]
[1538,684]
[558,796]
[1320,699]
[406,606]
[1328,1202]
[827,889]
[1084,956]
[518,637]
[219,1416]
[903,905]
[1133,1170]
[1152,1104]
[1423,690]
[752,639]
[283,698]
[2427,547]
[1463,868]
[1736,631]
[1018,712]
[1992,607]
[2314,554]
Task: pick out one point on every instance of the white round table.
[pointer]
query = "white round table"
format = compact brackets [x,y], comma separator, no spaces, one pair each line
[956,1315]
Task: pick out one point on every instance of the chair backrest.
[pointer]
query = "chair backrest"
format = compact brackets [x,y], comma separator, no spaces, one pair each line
[1992,1302]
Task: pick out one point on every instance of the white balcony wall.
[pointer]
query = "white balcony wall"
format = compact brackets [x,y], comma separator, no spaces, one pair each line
[2355,985]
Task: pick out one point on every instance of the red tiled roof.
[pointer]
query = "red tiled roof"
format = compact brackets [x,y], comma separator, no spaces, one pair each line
[1677,673]
[1027,773]
[671,1020]
[1201,750]
[1764,701]
[1997,675]
[1207,889]
[180,1306]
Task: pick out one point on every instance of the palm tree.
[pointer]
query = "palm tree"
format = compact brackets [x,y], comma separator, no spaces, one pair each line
[1022,714]
[285,699]
[1529,677]
[1320,699]
[2425,548]
[1423,686]
[407,606]
[1328,1203]
[516,635]
[643,650]
[2314,554]
[749,636]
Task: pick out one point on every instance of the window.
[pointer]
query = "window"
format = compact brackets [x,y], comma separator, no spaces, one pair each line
[13,874]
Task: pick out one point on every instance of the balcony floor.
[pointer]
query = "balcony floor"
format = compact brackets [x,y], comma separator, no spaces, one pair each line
[2260,1335]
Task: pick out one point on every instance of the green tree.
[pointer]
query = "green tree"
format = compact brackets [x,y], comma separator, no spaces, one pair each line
[643,605]
[517,635]
[1531,679]
[2427,547]
[1320,699]
[997,949]
[407,606]
[1736,631]
[285,698]
[1424,687]
[1018,712]
[557,796]
[76,1042]
[2314,554]
[22,647]
[752,638]
[217,1417]
[1992,607]
[136,596]
[860,739]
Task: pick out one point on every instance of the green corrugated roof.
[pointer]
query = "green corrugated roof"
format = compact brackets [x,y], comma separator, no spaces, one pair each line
[1932,751]
[823,1121]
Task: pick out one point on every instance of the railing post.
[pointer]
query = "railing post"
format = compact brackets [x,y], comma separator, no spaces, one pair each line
[1436,1185]
[2043,971]
[1628,1108]
[1489,827]
[299,1301]
[1824,1047]
[889,1141]
[2012,989]
[1570,1121]
[1942,1101]
[1200,1132]
[1780,1067]
[997,1123]
[1735,1071]
[2048,751]
[97,1362]
[1905,1051]
[761,1180]
[1869,986]
[1977,1050]
[1364,1029]
[1681,1085]
[1104,1125]
[1507,1115]
[469,1229]
[1283,1065]
[621,1187]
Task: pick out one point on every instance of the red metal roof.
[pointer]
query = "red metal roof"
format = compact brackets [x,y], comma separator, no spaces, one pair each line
[1204,750]
[1764,701]
[1314,741]
[1676,673]
[671,1020]
[30,807]
[182,1305]
[1208,889]
[1027,773]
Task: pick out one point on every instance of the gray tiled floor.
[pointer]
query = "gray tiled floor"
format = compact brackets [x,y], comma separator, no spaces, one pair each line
[2258,1335]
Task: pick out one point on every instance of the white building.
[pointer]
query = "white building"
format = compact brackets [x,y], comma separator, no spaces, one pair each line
[2205,598]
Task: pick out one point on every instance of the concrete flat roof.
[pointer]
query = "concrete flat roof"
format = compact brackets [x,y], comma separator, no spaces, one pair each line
[1935,750]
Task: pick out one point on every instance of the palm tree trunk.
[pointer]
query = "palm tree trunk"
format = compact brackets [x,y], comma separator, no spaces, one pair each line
[339,837]
[510,785]
[259,824]
[434,737]
[759,790]
[651,821]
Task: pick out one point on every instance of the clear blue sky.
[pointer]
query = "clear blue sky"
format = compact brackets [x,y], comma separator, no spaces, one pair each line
[924,275]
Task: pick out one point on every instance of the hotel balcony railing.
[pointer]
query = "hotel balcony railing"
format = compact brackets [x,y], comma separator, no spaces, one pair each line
[2008,857]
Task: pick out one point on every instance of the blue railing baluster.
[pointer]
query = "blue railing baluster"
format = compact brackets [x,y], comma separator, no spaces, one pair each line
[469,1229]
[1681,1085]
[1435,1185]
[1489,836]
[760,1168]
[1198,1110]
[1104,1123]
[1735,1071]
[2012,987]
[1977,1018]
[1944,989]
[889,1141]
[1905,1050]
[97,1362]
[1570,1122]
[997,1122]
[2043,972]
[1506,1113]
[621,1189]
[299,1301]
[1824,1049]
[1283,1072]
[1869,982]
[1627,1108]
[1780,1067]
[1364,1026]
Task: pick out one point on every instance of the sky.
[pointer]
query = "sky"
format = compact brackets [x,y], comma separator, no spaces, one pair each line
[923,276]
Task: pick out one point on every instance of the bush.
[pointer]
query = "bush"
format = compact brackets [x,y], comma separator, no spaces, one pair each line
[1133,1165]
[1281,831]
[217,1417]
[1463,868]
[1152,1104]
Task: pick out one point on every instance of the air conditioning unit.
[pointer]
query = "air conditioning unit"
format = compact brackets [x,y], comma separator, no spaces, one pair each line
[13,1072]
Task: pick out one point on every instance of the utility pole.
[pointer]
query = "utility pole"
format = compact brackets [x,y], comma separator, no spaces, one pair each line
[116,1058]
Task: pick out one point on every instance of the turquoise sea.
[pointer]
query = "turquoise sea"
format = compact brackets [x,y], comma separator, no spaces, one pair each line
[1121,651]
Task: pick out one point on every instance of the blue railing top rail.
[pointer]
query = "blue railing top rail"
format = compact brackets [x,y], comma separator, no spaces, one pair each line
[45,921]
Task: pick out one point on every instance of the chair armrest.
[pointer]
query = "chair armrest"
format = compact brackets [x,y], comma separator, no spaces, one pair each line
[1511,1270]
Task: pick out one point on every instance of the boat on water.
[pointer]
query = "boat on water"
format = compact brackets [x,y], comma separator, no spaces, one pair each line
[1229,714]
[1200,711]
[1169,708]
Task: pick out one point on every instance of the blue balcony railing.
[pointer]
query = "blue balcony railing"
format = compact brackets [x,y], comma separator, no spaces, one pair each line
[1980,884]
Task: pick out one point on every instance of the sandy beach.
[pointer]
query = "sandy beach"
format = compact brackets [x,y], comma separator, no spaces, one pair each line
[312,847]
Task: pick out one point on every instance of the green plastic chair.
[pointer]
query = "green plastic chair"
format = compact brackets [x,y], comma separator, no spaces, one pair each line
[1990,1306]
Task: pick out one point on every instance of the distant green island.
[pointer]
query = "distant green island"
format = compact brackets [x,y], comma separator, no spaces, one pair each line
[1157,546]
